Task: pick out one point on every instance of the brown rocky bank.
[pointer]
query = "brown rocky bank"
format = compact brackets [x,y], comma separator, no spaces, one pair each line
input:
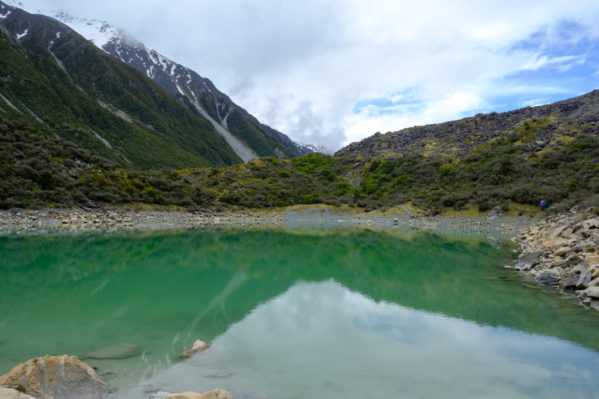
[563,251]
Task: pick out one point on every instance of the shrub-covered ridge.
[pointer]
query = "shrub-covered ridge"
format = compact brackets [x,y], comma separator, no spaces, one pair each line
[38,170]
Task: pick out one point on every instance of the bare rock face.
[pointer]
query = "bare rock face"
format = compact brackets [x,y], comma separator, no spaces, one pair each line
[216,394]
[55,377]
[9,393]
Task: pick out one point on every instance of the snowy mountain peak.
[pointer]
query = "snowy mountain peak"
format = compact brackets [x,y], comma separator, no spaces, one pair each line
[97,31]
[236,125]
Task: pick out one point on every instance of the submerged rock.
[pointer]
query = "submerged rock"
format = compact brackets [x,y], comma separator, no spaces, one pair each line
[197,346]
[548,277]
[10,393]
[54,377]
[118,351]
[216,394]
[527,261]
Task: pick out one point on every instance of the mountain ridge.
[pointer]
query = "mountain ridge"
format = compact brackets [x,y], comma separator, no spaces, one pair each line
[553,158]
[248,137]
[458,137]
[64,85]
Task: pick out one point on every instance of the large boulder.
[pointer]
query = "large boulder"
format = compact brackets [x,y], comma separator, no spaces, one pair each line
[55,377]
[10,393]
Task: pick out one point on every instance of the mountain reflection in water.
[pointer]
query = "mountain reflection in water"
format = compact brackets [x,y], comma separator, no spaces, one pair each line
[346,309]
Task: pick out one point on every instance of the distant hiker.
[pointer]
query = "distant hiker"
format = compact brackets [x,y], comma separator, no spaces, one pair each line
[542,204]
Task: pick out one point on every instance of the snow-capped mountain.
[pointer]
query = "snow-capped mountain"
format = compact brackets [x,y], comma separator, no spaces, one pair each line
[57,82]
[244,133]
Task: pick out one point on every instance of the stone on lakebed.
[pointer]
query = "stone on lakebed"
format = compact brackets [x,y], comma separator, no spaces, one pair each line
[548,277]
[197,346]
[216,394]
[118,351]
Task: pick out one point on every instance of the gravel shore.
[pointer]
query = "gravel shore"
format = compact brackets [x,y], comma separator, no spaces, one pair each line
[21,222]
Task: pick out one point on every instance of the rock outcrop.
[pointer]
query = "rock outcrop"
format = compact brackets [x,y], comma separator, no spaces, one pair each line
[563,251]
[55,377]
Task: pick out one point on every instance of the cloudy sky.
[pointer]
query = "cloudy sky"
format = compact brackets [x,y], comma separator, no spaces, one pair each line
[329,72]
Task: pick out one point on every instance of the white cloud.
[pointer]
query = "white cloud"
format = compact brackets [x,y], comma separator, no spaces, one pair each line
[302,67]
[322,340]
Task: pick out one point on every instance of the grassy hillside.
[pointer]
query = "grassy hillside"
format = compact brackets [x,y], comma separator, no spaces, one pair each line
[38,169]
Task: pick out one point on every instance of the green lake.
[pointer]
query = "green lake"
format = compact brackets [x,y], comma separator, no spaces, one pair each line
[347,313]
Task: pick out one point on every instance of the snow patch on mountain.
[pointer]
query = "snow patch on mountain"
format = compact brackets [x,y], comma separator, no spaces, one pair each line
[22,35]
[98,32]
[4,13]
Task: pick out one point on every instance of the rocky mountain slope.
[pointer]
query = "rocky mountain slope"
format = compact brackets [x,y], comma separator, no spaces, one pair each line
[245,134]
[552,124]
[58,82]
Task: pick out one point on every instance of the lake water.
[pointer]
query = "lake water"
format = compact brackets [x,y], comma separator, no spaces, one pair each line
[347,313]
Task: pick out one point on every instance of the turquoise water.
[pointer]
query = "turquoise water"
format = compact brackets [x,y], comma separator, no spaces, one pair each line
[341,314]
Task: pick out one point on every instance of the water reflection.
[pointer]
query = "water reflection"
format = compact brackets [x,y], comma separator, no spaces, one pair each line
[161,291]
[323,340]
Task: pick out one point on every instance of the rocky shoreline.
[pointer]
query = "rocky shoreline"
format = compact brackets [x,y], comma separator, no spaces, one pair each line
[562,251]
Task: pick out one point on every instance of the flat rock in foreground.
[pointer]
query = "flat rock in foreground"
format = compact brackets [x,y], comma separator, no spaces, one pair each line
[10,393]
[55,377]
